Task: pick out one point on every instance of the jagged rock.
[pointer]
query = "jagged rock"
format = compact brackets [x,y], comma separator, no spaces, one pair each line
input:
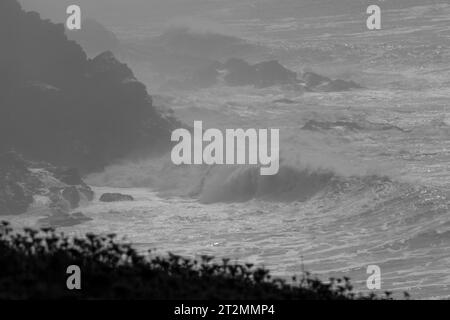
[22,180]
[113,197]
[78,189]
[106,66]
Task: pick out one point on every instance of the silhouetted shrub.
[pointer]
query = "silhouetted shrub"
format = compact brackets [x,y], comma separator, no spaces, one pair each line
[34,264]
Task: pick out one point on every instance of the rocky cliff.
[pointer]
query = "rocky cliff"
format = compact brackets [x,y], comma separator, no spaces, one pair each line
[59,106]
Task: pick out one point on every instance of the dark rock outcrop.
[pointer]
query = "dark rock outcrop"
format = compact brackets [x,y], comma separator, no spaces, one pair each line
[114,197]
[21,181]
[316,82]
[270,73]
[261,75]
[238,72]
[58,106]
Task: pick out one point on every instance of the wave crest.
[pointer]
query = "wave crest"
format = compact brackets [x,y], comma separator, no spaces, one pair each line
[235,183]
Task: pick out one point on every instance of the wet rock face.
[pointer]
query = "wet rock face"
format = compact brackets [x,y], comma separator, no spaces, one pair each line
[77,190]
[113,197]
[21,181]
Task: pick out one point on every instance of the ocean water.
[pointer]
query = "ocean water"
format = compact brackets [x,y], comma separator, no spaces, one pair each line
[364,176]
[370,188]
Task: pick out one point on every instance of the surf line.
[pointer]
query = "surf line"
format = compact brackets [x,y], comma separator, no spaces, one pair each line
[250,147]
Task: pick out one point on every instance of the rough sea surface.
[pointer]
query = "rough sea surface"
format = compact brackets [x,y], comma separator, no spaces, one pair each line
[364,177]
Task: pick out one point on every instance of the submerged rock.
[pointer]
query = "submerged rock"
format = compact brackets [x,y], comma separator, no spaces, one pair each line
[113,197]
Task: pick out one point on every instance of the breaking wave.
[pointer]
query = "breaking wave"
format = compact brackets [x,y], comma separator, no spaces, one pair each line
[227,183]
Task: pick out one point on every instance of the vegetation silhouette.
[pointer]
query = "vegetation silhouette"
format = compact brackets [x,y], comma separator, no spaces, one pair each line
[34,264]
